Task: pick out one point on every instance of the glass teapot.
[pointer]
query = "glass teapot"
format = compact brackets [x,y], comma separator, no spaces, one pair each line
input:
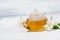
[38,21]
[35,22]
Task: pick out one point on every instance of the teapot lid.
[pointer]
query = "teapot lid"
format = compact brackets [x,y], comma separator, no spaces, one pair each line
[37,16]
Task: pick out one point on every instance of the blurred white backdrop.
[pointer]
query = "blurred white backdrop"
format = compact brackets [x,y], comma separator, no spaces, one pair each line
[10,28]
[18,7]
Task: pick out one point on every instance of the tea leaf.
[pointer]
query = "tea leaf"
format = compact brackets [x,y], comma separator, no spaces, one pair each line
[55,27]
[59,24]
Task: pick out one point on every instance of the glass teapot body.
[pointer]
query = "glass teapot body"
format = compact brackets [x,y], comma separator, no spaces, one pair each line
[35,22]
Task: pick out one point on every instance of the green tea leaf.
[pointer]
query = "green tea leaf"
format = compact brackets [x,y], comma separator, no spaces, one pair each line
[59,24]
[55,27]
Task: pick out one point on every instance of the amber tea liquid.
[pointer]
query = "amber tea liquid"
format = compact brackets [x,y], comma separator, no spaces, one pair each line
[36,25]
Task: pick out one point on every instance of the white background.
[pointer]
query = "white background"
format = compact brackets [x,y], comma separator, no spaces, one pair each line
[10,28]
[15,7]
